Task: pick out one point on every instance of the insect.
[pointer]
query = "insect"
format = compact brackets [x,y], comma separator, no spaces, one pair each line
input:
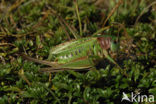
[79,54]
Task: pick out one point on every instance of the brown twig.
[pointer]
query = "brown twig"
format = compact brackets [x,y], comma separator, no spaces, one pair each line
[3,44]
[144,10]
[78,16]
[21,74]
[113,10]
[45,15]
[64,23]
[14,6]
[3,60]
[61,22]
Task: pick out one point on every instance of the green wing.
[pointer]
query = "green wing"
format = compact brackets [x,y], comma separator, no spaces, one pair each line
[70,51]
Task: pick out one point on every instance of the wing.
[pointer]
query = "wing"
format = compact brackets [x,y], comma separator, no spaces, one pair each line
[62,46]
[67,46]
[67,52]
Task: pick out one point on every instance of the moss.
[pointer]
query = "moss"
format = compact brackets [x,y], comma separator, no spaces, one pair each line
[33,27]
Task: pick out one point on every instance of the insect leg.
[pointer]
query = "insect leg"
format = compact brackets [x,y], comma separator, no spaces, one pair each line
[110,59]
[51,69]
[39,61]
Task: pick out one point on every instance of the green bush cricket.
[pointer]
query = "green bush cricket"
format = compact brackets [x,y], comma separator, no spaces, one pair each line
[79,54]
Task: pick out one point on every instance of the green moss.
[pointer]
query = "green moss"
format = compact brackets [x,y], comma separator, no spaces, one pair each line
[32,27]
